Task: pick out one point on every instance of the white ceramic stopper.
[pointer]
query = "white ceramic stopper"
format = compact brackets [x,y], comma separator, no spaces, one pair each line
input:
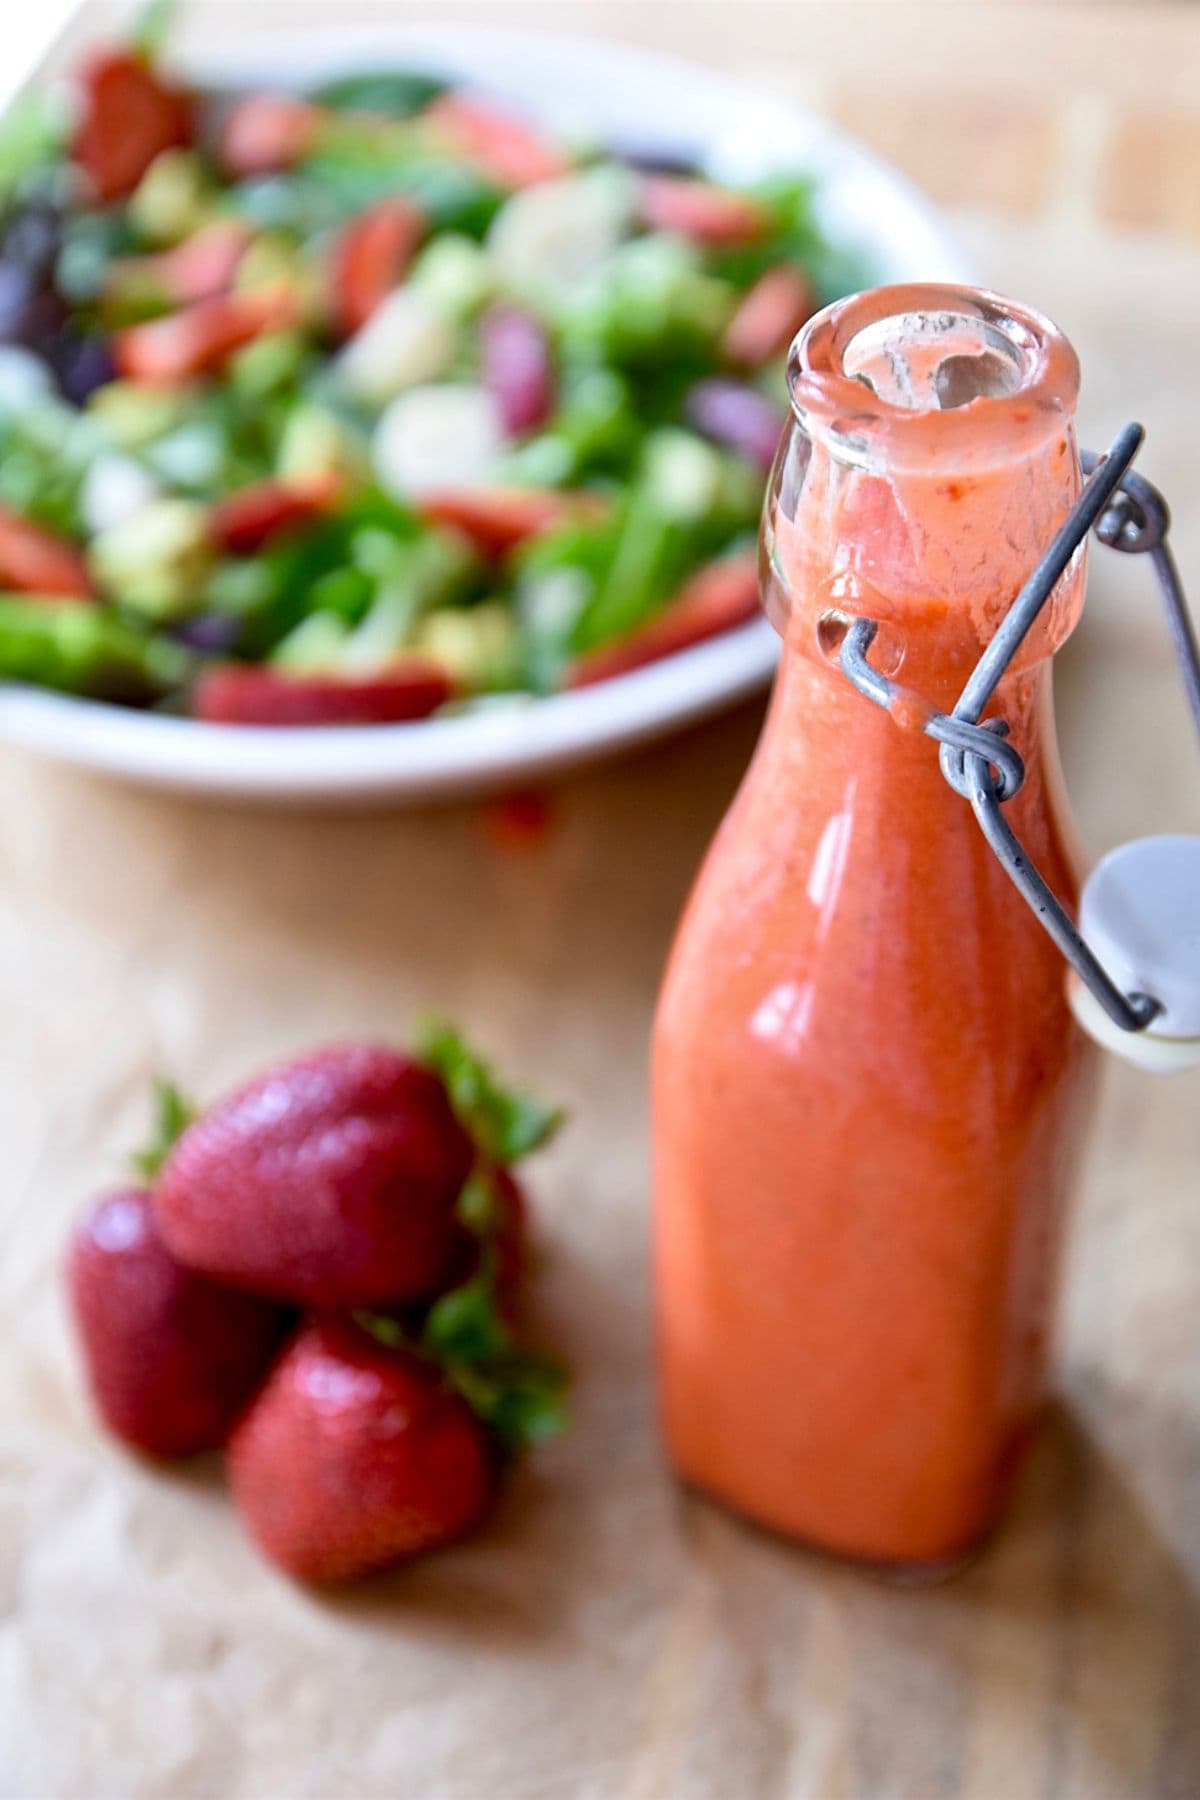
[1140,914]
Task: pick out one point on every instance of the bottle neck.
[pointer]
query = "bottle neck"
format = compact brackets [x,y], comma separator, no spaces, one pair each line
[935,559]
[930,460]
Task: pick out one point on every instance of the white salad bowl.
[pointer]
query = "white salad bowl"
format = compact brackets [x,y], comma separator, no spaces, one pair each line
[630,99]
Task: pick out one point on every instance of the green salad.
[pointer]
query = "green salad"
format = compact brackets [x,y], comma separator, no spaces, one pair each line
[371,402]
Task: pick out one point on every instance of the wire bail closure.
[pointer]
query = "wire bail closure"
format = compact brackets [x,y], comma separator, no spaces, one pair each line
[976,757]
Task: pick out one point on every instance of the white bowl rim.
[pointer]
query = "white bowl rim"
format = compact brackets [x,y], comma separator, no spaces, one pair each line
[530,738]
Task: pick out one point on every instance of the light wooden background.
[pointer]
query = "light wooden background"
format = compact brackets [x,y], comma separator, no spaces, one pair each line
[609,1637]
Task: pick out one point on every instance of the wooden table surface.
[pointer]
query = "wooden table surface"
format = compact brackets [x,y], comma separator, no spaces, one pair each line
[607,1636]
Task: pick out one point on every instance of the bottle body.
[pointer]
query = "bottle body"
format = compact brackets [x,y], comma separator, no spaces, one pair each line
[869,1092]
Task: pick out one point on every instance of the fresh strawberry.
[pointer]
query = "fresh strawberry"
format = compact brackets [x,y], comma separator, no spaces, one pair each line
[34,561]
[511,154]
[697,210]
[370,256]
[768,317]
[171,1356]
[267,133]
[331,1181]
[509,1234]
[719,596]
[355,1456]
[498,519]
[251,516]
[129,116]
[410,688]
[201,337]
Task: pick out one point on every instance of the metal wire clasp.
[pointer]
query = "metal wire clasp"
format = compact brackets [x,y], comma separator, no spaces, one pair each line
[976,757]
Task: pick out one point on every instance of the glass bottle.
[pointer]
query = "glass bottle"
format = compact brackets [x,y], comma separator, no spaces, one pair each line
[869,1091]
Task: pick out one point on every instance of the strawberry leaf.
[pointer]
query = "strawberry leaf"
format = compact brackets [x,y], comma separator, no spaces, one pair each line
[519,1394]
[464,1326]
[479,1207]
[173,1113]
[521,1397]
[506,1123]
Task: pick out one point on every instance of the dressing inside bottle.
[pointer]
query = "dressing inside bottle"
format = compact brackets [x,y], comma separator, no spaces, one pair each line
[869,1091]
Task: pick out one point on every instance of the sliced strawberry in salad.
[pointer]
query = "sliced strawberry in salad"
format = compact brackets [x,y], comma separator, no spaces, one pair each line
[205,263]
[369,258]
[498,519]
[769,316]
[267,133]
[698,210]
[247,520]
[715,599]
[241,694]
[202,265]
[201,337]
[508,152]
[34,561]
[130,114]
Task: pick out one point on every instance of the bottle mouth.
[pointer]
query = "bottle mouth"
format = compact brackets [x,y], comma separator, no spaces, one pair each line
[929,376]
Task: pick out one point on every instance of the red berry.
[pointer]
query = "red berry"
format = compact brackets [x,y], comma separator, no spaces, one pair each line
[266,133]
[370,256]
[410,688]
[330,1181]
[769,316]
[510,1234]
[504,149]
[35,561]
[171,1356]
[252,516]
[498,519]
[697,210]
[129,115]
[196,269]
[354,1456]
[717,597]
[200,338]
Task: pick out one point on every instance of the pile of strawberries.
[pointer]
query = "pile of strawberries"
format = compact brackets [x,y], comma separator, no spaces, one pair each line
[321,1274]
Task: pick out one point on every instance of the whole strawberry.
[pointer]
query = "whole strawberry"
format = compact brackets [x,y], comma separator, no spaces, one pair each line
[354,1456]
[171,1357]
[330,1181]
